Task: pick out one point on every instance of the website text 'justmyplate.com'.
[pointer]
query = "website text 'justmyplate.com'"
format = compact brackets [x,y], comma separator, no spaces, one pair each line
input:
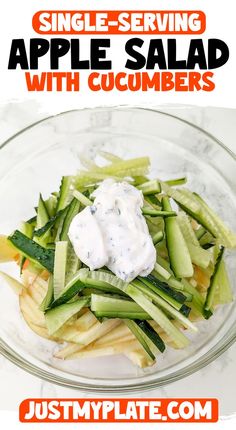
[119,410]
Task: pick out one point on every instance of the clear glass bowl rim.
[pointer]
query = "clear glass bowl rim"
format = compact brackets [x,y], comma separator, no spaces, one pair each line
[206,359]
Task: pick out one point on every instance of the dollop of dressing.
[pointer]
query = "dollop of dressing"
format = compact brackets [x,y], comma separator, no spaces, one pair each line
[113,232]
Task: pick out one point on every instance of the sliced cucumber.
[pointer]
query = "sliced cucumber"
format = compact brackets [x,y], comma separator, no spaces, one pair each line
[176,182]
[51,205]
[200,232]
[159,286]
[32,221]
[179,256]
[170,280]
[157,296]
[197,299]
[59,272]
[157,237]
[82,198]
[101,280]
[65,194]
[224,292]
[150,187]
[186,228]
[185,310]
[145,303]
[42,220]
[72,211]
[73,263]
[51,223]
[162,271]
[73,287]
[173,283]
[199,256]
[28,230]
[165,264]
[56,317]
[165,305]
[152,335]
[194,205]
[207,239]
[107,306]
[32,250]
[157,315]
[153,201]
[42,213]
[48,299]
[138,333]
[213,281]
[155,213]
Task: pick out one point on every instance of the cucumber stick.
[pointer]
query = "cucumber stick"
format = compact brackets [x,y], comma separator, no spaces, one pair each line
[165,305]
[211,291]
[156,294]
[199,256]
[186,228]
[27,229]
[58,316]
[140,336]
[73,263]
[157,315]
[106,306]
[82,198]
[170,280]
[146,304]
[153,201]
[48,299]
[41,221]
[42,213]
[163,287]
[150,187]
[156,213]
[194,205]
[73,287]
[51,204]
[200,233]
[224,291]
[72,211]
[59,272]
[152,335]
[176,182]
[162,271]
[51,223]
[179,256]
[105,281]
[157,237]
[197,299]
[32,250]
[65,194]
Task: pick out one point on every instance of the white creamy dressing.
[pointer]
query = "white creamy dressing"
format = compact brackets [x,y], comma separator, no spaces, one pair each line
[113,232]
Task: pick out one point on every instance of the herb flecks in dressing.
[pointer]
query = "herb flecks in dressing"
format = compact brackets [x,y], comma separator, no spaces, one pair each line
[113,232]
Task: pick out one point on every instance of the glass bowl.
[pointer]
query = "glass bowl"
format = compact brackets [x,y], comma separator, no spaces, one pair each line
[34,160]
